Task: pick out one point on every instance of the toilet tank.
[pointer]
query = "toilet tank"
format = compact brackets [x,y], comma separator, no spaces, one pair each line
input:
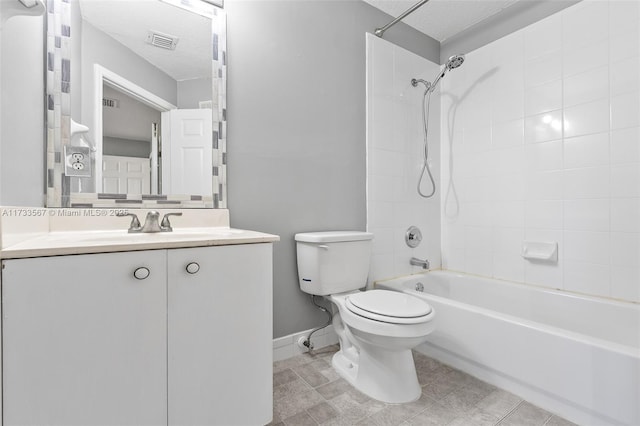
[333,262]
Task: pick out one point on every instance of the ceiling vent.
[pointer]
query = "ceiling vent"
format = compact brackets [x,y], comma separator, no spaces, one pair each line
[110,103]
[164,41]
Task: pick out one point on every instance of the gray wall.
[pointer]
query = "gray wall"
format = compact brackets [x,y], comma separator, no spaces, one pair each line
[131,119]
[191,92]
[99,48]
[296,109]
[126,147]
[22,113]
[514,18]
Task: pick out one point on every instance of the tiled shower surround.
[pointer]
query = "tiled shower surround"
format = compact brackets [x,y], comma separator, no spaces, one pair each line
[394,159]
[541,142]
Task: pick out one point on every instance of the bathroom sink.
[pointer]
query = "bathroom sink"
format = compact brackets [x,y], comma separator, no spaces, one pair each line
[105,240]
[123,237]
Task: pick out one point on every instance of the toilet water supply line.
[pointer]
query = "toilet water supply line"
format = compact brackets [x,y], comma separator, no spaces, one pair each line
[307,341]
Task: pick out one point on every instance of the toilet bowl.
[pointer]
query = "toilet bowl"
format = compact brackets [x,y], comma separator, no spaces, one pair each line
[375,354]
[377,328]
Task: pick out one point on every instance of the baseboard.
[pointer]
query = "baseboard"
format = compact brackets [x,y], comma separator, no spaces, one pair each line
[287,346]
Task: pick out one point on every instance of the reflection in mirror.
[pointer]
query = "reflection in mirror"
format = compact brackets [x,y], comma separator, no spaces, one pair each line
[129,136]
[136,104]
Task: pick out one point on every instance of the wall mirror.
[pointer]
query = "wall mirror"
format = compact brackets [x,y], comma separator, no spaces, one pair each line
[136,104]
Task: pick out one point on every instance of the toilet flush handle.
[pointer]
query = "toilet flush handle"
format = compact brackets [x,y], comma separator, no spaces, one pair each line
[324,246]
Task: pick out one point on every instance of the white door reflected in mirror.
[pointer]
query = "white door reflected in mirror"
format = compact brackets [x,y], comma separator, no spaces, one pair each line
[187,139]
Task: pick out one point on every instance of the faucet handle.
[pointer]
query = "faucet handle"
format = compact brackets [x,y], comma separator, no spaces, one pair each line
[413,236]
[166,225]
[135,222]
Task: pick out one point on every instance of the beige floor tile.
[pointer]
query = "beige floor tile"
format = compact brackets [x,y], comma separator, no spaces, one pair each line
[322,412]
[434,414]
[499,403]
[291,362]
[333,389]
[288,389]
[300,419]
[449,397]
[526,414]
[310,374]
[285,376]
[394,414]
[439,387]
[296,403]
[558,421]
[462,399]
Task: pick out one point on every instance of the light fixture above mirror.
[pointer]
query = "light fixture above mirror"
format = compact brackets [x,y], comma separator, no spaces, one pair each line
[218,3]
[201,7]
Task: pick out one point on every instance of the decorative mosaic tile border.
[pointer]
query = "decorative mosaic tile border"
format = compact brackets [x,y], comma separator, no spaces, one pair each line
[104,200]
[58,96]
[219,79]
[59,122]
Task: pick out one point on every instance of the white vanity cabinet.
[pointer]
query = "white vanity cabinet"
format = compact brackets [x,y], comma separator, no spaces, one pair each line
[85,342]
[220,344]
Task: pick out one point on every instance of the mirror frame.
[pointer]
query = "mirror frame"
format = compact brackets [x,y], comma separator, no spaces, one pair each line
[58,123]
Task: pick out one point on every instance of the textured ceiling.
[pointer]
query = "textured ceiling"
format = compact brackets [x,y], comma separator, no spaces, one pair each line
[442,19]
[130,21]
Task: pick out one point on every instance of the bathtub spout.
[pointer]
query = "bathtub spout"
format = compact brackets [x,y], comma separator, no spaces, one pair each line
[418,262]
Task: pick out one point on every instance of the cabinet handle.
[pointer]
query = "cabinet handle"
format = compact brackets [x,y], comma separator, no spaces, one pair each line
[141,273]
[193,268]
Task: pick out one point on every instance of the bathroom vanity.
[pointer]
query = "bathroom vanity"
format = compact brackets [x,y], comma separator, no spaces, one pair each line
[109,328]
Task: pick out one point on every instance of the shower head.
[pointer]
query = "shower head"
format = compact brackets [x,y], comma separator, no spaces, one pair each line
[455,61]
[452,63]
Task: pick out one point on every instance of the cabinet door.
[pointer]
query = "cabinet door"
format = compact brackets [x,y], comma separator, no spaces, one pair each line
[84,342]
[220,336]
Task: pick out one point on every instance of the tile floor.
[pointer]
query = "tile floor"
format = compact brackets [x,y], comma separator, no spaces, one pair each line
[307,391]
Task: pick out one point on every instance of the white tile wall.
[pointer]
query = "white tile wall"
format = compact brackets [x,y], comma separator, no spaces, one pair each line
[541,139]
[394,159]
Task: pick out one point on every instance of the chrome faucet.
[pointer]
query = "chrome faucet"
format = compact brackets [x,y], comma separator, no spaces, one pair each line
[151,223]
[418,262]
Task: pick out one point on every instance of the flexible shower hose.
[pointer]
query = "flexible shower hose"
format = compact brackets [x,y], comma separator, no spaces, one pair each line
[426,101]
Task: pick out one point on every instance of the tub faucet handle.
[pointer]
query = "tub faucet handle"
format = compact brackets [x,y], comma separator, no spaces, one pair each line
[413,236]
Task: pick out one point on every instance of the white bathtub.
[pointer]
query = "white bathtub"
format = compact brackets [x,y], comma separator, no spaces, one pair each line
[576,356]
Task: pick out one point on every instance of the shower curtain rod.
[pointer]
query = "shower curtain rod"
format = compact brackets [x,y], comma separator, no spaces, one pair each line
[380,31]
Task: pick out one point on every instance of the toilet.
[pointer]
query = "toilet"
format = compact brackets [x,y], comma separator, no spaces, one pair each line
[377,328]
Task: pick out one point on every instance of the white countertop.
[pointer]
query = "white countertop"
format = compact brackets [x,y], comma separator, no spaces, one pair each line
[37,232]
[82,242]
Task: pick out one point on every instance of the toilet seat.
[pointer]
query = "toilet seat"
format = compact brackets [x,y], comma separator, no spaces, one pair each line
[389,306]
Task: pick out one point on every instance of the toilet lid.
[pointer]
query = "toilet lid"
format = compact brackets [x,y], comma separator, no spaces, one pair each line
[388,306]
